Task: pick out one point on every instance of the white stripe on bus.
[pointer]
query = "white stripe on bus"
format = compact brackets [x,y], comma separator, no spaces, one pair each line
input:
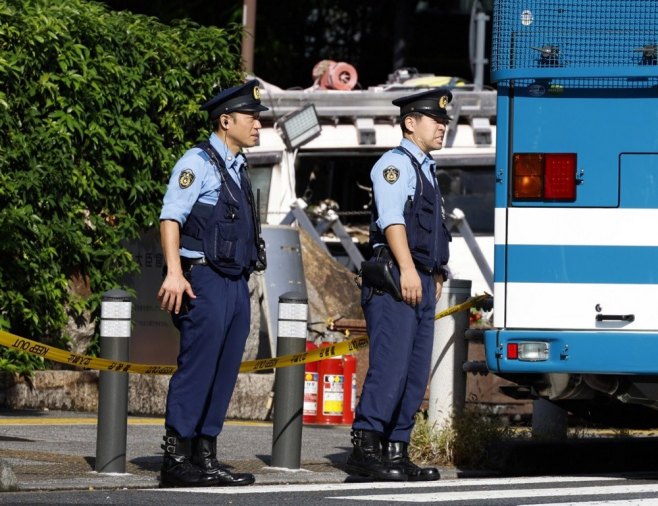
[577,226]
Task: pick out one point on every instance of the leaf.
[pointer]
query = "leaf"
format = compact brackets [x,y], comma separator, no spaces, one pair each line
[107,101]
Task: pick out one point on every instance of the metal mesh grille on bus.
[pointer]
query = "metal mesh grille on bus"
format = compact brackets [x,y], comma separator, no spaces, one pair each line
[574,33]
[592,83]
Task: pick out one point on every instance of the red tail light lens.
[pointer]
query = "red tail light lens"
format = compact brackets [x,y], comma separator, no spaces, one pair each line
[544,176]
[560,176]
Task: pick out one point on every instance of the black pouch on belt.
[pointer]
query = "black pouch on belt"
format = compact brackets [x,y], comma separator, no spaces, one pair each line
[378,273]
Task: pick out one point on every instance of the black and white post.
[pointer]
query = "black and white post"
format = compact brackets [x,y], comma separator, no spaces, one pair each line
[116,309]
[289,382]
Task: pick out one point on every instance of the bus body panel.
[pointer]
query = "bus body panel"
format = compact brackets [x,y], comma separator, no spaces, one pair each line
[576,280]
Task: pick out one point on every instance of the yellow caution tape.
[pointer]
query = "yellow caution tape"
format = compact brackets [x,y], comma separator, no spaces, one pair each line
[85,361]
[461,307]
[335,350]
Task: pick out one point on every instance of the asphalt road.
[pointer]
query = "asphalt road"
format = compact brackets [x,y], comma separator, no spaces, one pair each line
[639,490]
[53,458]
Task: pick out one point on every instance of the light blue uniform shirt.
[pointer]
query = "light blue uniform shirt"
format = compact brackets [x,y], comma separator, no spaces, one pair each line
[195,179]
[394,181]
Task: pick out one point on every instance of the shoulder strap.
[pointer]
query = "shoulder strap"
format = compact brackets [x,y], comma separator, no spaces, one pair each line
[413,159]
[215,159]
[416,165]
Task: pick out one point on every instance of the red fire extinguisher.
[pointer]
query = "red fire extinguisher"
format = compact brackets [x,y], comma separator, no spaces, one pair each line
[330,389]
[349,404]
[310,413]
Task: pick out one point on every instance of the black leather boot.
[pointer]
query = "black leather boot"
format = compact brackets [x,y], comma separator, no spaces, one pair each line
[366,458]
[205,457]
[396,452]
[177,470]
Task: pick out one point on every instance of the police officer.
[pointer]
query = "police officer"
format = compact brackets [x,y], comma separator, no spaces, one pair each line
[210,237]
[408,226]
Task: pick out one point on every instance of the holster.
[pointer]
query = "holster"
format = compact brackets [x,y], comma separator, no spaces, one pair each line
[261,255]
[377,273]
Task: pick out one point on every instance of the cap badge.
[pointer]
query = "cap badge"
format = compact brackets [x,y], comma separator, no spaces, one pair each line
[186,179]
[443,101]
[391,174]
[256,93]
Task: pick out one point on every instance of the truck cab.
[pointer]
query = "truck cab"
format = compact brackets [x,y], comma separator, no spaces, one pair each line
[317,147]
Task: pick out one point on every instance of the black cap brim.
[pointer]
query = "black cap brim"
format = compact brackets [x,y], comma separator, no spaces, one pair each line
[254,108]
[440,117]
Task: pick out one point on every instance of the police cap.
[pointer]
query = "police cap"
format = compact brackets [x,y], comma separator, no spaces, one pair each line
[242,98]
[432,103]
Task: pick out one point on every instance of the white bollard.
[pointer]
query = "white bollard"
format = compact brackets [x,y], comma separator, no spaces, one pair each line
[450,351]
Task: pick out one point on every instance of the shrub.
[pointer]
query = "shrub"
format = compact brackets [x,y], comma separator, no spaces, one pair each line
[462,441]
[95,108]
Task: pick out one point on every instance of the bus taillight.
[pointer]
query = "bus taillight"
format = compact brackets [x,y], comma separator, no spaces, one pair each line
[528,173]
[544,176]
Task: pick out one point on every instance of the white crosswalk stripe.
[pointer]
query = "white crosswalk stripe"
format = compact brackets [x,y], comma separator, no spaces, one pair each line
[623,502]
[524,493]
[380,485]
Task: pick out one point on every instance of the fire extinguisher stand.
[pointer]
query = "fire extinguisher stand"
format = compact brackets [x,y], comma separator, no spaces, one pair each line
[289,382]
[310,387]
[349,389]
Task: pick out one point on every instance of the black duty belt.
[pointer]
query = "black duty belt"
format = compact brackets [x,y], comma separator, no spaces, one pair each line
[424,268]
[188,262]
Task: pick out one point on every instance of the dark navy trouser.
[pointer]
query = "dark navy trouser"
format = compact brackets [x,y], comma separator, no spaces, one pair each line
[401,338]
[213,333]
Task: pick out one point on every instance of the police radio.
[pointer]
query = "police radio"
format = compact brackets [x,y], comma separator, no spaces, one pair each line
[261,255]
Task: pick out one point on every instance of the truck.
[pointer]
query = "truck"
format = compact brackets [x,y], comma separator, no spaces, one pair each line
[318,145]
[576,206]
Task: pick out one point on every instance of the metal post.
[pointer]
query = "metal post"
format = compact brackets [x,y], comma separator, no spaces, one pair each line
[116,310]
[249,34]
[458,218]
[339,229]
[450,351]
[480,61]
[298,213]
[289,382]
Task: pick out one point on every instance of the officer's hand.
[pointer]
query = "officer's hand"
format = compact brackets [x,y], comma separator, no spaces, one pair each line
[438,280]
[412,290]
[172,291]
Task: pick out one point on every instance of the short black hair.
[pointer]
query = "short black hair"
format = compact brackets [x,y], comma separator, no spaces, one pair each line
[414,115]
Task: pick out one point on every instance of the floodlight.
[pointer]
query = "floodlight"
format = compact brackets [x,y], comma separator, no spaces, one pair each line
[365,128]
[299,127]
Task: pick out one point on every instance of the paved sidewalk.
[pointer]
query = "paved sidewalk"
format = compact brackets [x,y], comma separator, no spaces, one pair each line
[49,450]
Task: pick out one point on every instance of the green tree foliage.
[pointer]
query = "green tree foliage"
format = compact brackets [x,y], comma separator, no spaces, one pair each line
[95,108]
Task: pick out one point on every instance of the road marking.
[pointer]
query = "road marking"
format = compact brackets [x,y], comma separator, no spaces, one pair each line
[619,502]
[383,485]
[467,495]
[34,420]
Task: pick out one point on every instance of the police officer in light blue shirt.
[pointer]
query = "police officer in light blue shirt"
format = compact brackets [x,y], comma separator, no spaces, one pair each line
[407,227]
[210,237]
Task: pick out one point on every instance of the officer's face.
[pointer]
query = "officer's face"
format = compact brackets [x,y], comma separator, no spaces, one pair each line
[243,130]
[427,132]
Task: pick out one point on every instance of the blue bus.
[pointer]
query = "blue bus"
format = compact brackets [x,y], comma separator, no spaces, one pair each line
[576,206]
